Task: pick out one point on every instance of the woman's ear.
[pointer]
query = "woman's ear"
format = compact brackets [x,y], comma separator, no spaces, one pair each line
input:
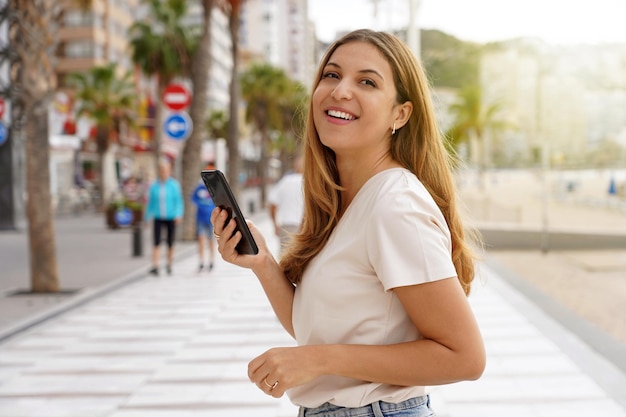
[403,113]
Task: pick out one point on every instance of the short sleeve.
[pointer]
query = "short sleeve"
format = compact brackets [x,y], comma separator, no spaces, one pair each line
[272,196]
[408,241]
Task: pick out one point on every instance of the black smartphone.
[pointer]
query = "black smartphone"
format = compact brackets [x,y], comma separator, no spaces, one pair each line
[223,197]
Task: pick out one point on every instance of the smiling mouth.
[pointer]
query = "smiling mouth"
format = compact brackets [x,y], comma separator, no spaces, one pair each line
[340,115]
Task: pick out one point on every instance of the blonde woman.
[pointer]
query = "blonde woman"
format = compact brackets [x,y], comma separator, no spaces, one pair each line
[373,287]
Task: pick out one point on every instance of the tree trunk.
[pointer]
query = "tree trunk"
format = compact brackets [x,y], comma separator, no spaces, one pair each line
[102,145]
[34,81]
[232,139]
[157,133]
[111,181]
[263,165]
[482,166]
[192,163]
[43,263]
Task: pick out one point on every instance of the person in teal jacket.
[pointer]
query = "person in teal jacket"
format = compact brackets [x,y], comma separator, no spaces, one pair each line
[165,206]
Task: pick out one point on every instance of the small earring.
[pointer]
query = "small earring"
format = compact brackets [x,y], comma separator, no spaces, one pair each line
[393,131]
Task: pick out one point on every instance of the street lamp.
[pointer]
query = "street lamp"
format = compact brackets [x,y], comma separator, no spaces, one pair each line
[413,32]
[545,160]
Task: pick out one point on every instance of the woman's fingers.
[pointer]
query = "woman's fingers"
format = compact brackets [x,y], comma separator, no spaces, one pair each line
[218,218]
[218,224]
[229,238]
[229,247]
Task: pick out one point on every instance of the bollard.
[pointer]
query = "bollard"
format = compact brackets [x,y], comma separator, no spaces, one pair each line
[137,237]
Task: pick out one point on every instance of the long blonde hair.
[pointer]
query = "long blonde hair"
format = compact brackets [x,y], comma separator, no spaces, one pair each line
[418,146]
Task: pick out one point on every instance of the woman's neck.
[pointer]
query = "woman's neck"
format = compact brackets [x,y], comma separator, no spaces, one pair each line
[353,173]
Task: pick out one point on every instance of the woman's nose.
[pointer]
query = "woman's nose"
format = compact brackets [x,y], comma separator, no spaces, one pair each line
[341,91]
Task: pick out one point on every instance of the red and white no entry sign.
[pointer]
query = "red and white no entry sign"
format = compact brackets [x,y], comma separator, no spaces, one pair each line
[176,97]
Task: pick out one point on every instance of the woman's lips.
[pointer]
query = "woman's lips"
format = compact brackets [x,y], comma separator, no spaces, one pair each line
[339,114]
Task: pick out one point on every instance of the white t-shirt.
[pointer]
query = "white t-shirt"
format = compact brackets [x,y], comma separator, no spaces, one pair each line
[288,197]
[392,235]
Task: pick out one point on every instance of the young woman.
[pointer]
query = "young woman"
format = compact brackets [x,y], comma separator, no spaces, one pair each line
[374,286]
[165,207]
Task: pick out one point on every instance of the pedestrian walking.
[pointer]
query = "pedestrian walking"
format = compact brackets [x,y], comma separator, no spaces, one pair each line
[165,207]
[204,228]
[286,204]
[374,286]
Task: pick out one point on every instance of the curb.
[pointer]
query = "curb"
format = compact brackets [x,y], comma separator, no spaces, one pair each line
[82,297]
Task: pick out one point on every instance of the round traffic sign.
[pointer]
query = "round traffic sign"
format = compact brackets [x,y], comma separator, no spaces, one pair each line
[176,97]
[2,107]
[178,126]
[124,216]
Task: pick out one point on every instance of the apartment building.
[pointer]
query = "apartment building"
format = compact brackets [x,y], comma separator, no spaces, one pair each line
[86,39]
[95,37]
[279,32]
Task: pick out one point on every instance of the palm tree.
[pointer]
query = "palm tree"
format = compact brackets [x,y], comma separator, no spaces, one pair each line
[217,124]
[293,107]
[232,139]
[191,162]
[264,88]
[107,100]
[33,80]
[473,119]
[163,46]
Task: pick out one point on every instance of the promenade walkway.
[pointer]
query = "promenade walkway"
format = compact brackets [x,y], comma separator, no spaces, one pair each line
[179,346]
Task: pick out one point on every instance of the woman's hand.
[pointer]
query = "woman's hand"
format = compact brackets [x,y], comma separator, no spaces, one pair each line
[280,369]
[227,241]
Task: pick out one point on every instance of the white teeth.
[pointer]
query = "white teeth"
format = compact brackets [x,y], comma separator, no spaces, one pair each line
[340,114]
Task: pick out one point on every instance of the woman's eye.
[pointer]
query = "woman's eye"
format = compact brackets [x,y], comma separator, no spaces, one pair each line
[330,74]
[368,82]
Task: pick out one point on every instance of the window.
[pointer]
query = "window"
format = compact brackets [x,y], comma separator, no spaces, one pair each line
[76,18]
[83,49]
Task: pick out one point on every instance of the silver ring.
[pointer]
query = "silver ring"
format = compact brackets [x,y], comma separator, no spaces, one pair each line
[216,235]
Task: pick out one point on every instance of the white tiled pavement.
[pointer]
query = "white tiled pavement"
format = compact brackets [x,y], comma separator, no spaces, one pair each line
[179,346]
[169,346]
[535,367]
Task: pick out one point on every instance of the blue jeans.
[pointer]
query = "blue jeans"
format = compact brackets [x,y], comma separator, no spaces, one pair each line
[414,407]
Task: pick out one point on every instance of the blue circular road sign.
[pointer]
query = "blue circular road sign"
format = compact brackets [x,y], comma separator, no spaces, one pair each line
[4,133]
[124,216]
[178,126]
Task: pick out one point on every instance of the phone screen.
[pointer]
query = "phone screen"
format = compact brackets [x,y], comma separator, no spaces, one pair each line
[223,197]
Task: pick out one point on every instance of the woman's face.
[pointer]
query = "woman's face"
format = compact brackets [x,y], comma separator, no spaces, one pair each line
[353,104]
[164,171]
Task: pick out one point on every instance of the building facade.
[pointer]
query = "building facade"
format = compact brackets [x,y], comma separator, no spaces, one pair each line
[279,33]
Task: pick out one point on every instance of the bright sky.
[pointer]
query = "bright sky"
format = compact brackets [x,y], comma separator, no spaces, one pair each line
[555,21]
